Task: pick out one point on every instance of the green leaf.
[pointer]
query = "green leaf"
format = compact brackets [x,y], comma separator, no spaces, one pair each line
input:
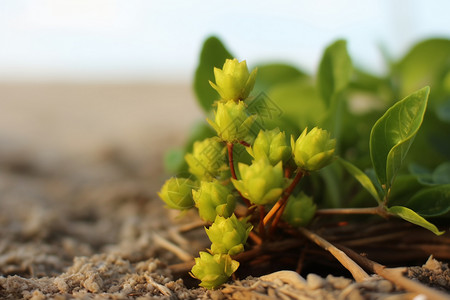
[174,161]
[213,55]
[393,134]
[335,70]
[423,64]
[362,178]
[271,75]
[412,217]
[298,101]
[441,174]
[431,202]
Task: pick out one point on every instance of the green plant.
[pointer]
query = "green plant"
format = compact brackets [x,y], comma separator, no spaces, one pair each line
[286,102]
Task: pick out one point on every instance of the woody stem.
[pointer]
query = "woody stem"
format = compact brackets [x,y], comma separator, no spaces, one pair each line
[284,198]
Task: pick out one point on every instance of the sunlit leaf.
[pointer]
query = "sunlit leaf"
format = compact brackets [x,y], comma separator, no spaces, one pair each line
[412,217]
[393,134]
[362,178]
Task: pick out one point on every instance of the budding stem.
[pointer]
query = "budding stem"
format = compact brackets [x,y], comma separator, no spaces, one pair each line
[284,198]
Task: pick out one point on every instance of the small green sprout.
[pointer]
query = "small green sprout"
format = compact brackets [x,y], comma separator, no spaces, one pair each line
[228,235]
[214,199]
[177,193]
[313,150]
[208,159]
[272,145]
[233,81]
[231,121]
[261,182]
[213,269]
[299,210]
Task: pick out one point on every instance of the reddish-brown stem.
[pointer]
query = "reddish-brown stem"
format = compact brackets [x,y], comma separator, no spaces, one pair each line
[277,218]
[284,198]
[261,221]
[244,143]
[232,170]
[287,172]
[230,159]
[255,238]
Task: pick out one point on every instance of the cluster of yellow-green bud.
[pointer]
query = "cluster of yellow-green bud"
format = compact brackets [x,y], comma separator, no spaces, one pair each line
[177,193]
[208,159]
[231,121]
[313,150]
[214,199]
[299,210]
[228,235]
[271,145]
[213,269]
[233,81]
[261,183]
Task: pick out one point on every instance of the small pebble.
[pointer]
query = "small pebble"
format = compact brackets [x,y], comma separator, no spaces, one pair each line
[338,282]
[314,281]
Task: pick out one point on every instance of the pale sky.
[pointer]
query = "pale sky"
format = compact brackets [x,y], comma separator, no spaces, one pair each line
[161,40]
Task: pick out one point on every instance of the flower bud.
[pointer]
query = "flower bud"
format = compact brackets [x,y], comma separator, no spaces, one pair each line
[231,122]
[270,144]
[261,182]
[233,81]
[314,150]
[177,193]
[208,159]
[228,235]
[299,210]
[213,270]
[212,199]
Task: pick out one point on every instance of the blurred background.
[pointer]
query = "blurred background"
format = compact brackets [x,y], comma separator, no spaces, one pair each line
[79,76]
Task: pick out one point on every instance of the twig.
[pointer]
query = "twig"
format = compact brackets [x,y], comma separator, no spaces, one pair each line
[357,272]
[395,275]
[354,211]
[180,253]
[284,198]
[192,226]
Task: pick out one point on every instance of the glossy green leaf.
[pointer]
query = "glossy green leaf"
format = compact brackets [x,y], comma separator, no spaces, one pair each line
[213,55]
[412,217]
[362,178]
[393,134]
[335,70]
[431,202]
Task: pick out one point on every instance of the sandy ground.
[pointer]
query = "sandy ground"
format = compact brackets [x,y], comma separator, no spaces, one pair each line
[80,165]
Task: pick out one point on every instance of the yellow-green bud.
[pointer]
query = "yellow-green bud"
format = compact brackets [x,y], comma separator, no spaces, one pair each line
[299,210]
[231,121]
[233,81]
[177,193]
[228,235]
[213,270]
[212,199]
[272,145]
[261,182]
[208,159]
[313,150]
